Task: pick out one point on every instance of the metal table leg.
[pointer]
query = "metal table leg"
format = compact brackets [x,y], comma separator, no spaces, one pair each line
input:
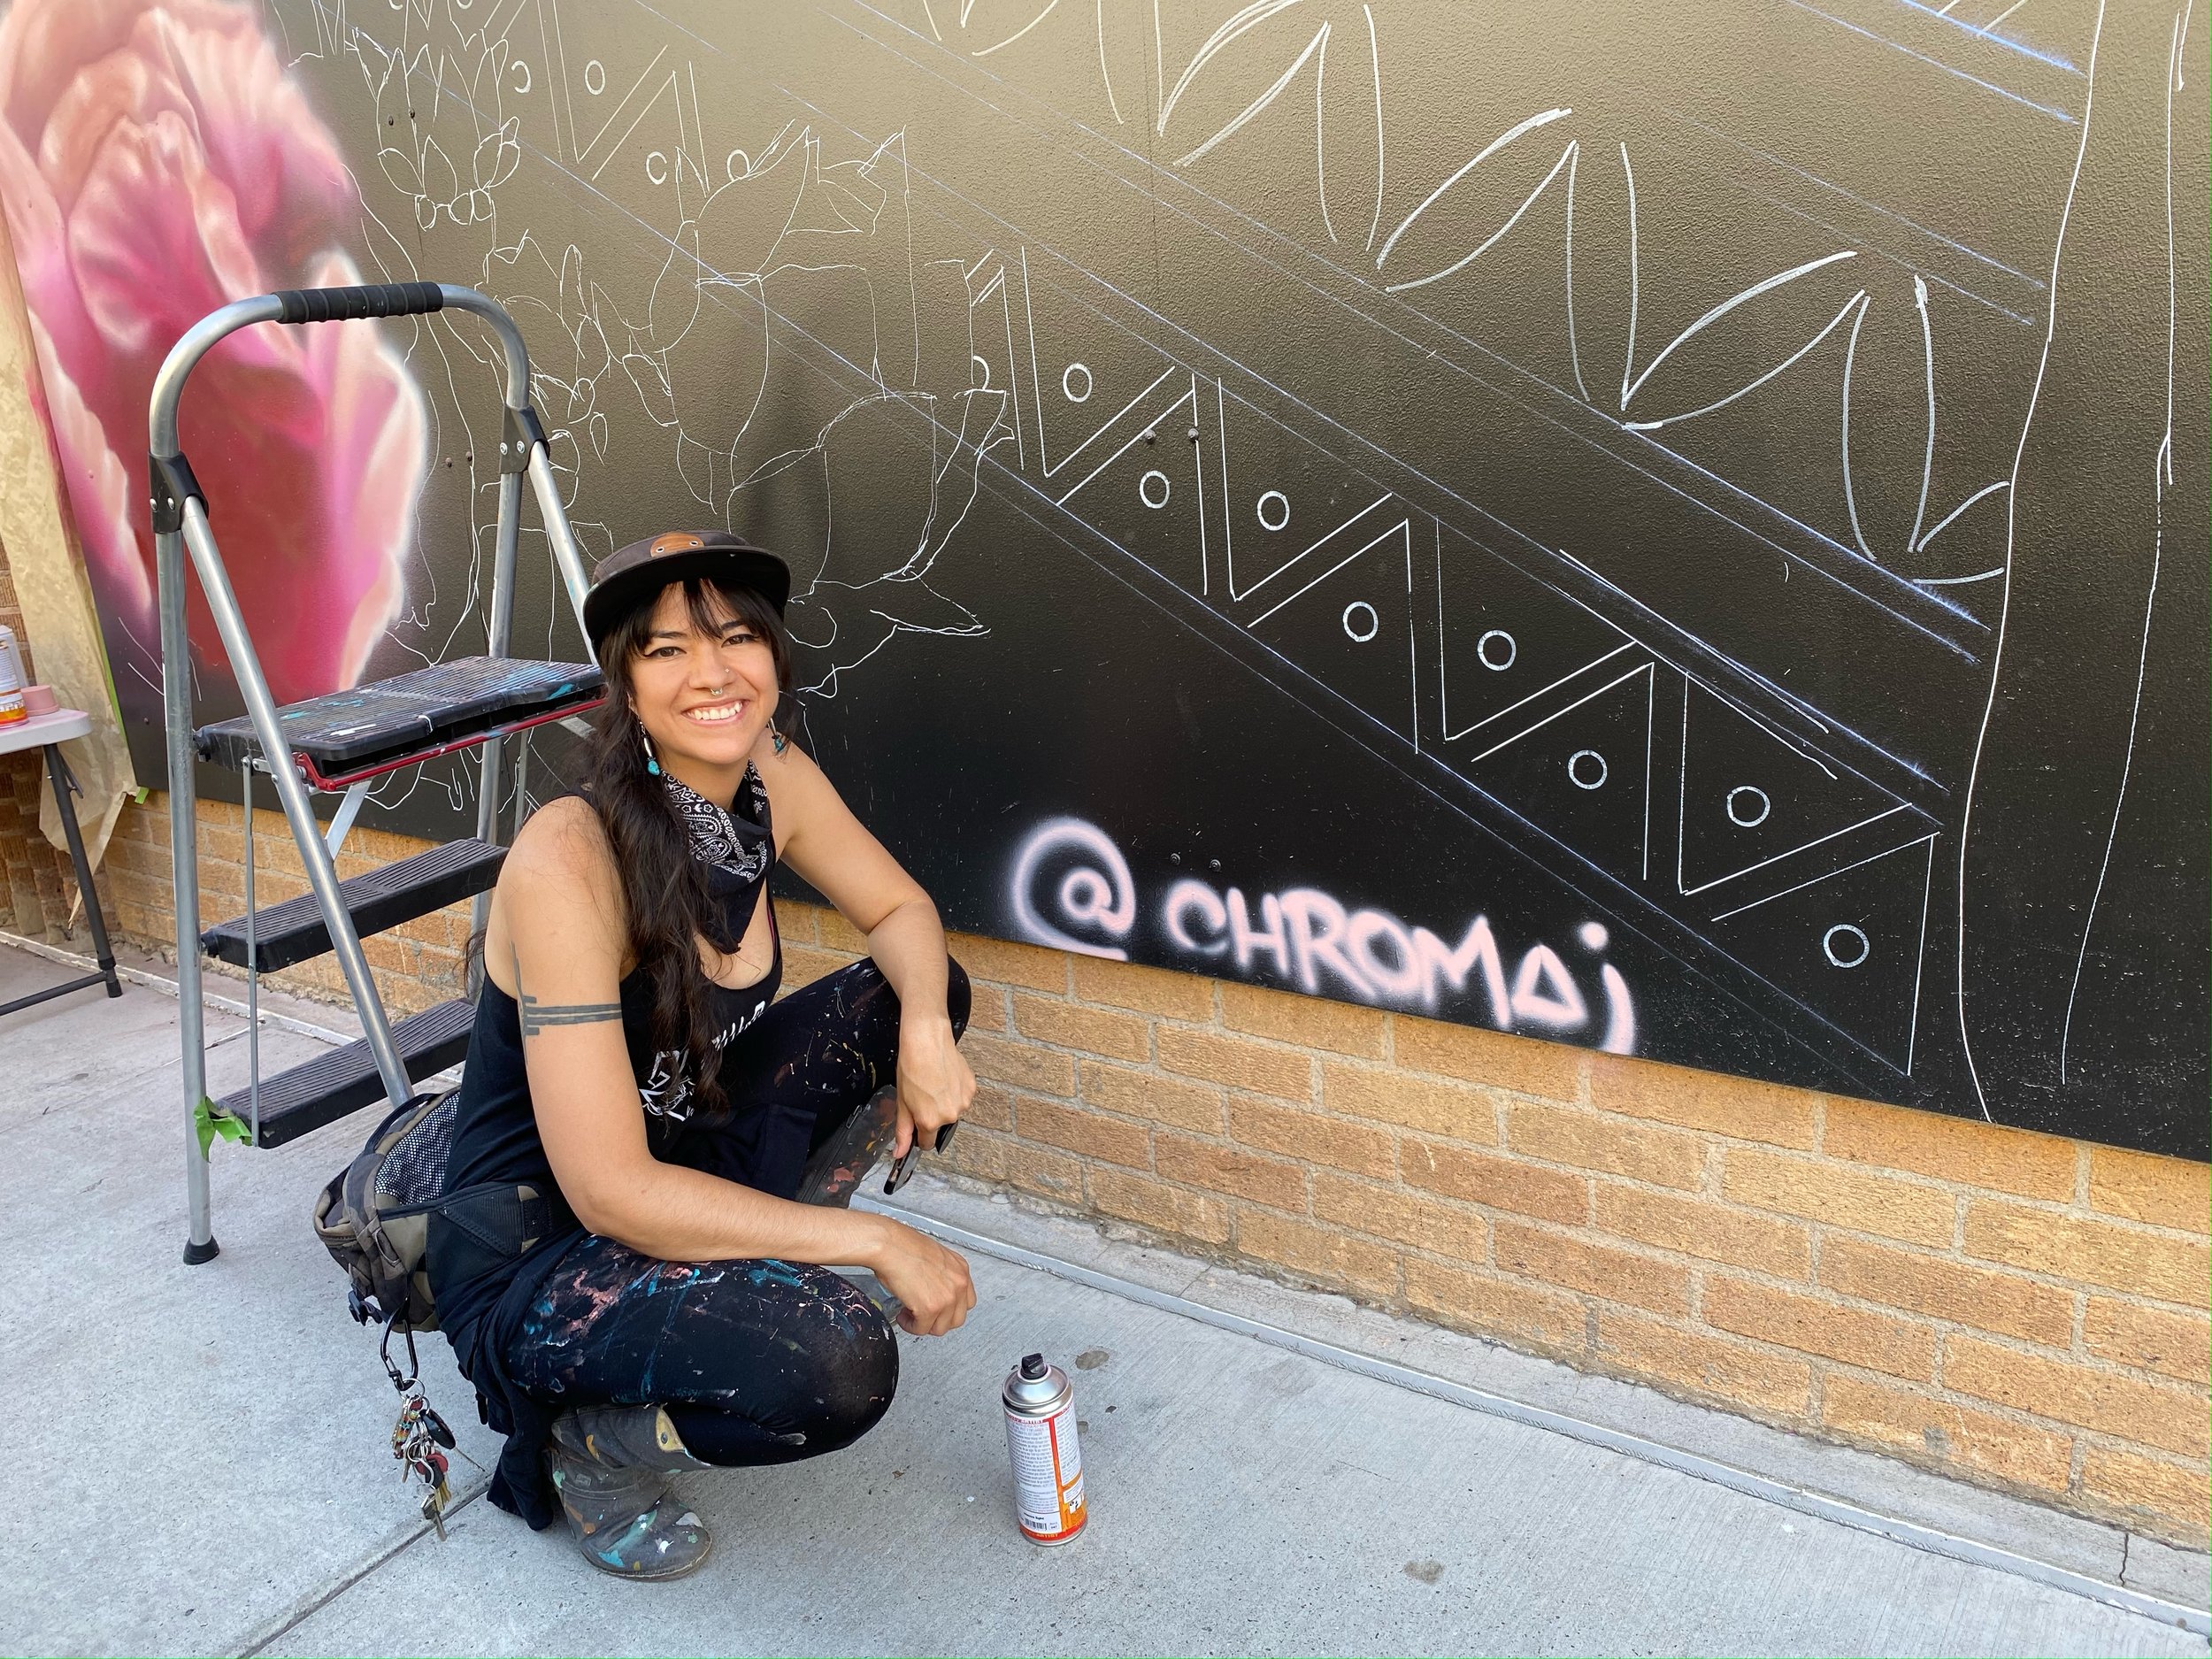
[64,786]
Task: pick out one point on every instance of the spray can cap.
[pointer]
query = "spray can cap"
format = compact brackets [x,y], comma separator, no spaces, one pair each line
[1032,1367]
[1034,1383]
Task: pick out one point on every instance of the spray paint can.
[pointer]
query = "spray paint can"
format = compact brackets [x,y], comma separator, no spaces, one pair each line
[11,707]
[1039,1404]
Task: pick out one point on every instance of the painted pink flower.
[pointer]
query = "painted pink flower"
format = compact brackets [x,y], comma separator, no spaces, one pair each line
[155,162]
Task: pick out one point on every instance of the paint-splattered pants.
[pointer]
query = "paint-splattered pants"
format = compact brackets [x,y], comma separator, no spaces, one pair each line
[758,1362]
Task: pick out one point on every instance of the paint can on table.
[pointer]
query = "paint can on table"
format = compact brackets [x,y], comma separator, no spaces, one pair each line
[1039,1404]
[11,707]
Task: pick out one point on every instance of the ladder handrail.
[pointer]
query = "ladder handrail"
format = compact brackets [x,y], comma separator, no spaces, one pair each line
[182,528]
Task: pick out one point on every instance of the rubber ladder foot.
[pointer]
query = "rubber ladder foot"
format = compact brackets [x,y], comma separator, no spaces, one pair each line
[195,1253]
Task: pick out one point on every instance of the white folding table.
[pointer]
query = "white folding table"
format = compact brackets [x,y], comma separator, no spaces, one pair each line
[50,732]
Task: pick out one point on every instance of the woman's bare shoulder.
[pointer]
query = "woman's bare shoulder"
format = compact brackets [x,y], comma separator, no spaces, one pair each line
[562,845]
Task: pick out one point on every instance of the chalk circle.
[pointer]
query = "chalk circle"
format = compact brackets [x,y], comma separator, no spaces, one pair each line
[1144,488]
[1067,383]
[1360,610]
[594,77]
[1848,934]
[1578,774]
[1755,803]
[1483,650]
[523,70]
[1283,506]
[1594,935]
[730,168]
[656,167]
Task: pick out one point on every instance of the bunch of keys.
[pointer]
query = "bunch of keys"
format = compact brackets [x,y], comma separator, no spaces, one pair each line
[416,1440]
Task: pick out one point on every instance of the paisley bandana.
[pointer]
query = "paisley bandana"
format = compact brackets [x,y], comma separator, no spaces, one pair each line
[735,848]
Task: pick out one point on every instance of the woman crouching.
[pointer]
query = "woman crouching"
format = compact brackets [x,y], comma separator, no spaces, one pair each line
[629,1051]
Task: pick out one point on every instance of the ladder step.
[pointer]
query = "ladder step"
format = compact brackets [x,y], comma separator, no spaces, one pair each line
[304,1099]
[344,736]
[295,931]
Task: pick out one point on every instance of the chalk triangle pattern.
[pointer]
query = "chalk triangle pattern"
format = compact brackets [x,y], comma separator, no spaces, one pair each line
[1086,375]
[1148,498]
[1846,946]
[1582,774]
[1504,637]
[1281,498]
[1749,798]
[1350,623]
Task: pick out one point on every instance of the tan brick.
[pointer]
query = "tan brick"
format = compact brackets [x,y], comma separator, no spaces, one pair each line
[1521,1064]
[2174,1493]
[1734,1372]
[1148,1096]
[1054,1174]
[2166,1192]
[2127,1408]
[1321,1252]
[1599,1270]
[1950,1148]
[840,934]
[1563,1134]
[992,1108]
[1840,1195]
[2003,1303]
[1484,1177]
[1310,1022]
[1071,1026]
[1230,1170]
[1706,1228]
[1875,1341]
[1422,1223]
[1146,990]
[1094,1134]
[797,923]
[2090,1251]
[1492,1306]
[1312,1138]
[1005,964]
[983,1154]
[2149,1339]
[1235,1062]
[1733,1106]
[1451,1109]
[987,1008]
[1155,1204]
[1934,1427]
[1041,1071]
[802,964]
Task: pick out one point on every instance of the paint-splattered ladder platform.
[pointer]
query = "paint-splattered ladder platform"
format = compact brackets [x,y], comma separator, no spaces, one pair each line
[344,736]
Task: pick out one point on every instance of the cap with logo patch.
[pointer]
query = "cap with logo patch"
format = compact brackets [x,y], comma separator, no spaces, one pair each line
[629,576]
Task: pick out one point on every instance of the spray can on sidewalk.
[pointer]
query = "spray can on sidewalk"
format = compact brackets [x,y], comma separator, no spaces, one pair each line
[1047,1461]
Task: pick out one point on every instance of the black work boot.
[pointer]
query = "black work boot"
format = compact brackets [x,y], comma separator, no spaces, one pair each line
[607,1462]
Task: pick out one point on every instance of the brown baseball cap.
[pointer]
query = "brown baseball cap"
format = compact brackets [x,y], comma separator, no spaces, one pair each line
[628,576]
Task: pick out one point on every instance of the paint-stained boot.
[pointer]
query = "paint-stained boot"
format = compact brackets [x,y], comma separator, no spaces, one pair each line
[607,1463]
[834,1174]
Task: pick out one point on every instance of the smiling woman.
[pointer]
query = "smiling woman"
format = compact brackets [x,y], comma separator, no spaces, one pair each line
[630,1055]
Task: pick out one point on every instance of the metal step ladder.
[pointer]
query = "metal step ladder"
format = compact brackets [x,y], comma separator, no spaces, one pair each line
[339,743]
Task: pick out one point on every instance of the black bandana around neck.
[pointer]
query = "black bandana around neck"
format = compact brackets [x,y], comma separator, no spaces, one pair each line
[734,845]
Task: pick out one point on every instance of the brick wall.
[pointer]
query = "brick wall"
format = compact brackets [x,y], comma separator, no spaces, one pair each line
[2016,1309]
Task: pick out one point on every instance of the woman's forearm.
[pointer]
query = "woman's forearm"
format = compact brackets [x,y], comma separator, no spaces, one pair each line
[684,1214]
[909,947]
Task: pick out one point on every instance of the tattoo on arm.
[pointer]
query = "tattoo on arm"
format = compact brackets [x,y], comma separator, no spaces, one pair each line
[537,1016]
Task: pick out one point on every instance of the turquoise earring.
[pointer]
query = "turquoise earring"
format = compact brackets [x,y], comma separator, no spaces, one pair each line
[652,761]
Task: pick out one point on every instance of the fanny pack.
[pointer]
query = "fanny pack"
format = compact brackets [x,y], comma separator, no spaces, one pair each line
[387,1215]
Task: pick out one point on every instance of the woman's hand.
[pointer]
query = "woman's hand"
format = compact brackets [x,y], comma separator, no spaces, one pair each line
[931,1281]
[934,1082]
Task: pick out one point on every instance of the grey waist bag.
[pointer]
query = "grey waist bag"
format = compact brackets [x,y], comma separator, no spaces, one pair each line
[387,1215]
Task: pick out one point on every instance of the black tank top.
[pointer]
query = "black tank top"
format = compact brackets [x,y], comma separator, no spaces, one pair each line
[495,1131]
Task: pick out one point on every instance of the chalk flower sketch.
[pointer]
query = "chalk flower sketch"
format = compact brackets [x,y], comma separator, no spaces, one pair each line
[156,163]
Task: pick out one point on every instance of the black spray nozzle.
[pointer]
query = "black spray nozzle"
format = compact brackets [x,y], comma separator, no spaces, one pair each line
[1032,1367]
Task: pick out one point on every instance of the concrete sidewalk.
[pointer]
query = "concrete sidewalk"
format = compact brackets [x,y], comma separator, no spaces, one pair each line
[201,1460]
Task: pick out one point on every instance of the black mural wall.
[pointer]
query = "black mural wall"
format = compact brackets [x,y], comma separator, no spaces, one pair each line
[1673,528]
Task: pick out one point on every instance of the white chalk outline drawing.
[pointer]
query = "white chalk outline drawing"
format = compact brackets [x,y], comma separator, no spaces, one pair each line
[1648,671]
[1917,564]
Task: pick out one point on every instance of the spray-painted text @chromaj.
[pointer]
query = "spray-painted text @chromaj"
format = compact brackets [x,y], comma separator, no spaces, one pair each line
[1071,889]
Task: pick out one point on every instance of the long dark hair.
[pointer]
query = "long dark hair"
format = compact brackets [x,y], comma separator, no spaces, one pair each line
[665,897]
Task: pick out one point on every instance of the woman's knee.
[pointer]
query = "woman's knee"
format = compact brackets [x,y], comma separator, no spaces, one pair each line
[854,1377]
[959,998]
